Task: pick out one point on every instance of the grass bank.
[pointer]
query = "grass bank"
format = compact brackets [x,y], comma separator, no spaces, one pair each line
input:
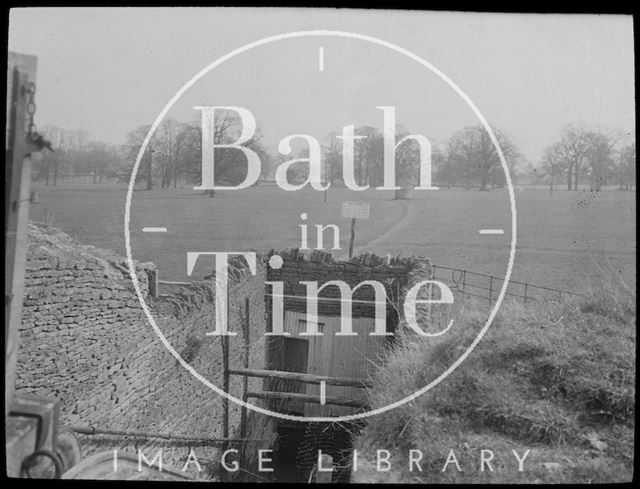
[557,379]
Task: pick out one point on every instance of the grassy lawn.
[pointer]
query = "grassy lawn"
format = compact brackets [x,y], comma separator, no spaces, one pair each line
[561,239]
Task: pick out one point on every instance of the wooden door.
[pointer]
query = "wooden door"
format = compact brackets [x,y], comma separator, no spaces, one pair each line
[296,359]
[337,356]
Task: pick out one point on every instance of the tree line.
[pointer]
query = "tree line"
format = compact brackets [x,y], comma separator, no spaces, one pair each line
[74,155]
[466,159]
[600,157]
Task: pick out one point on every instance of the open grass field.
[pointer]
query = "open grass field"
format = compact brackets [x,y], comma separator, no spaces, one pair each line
[561,239]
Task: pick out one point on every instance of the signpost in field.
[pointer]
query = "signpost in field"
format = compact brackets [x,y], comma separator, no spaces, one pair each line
[354,210]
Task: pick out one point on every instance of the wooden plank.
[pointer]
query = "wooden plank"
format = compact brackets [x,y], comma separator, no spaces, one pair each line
[304,298]
[26,63]
[308,378]
[343,357]
[17,180]
[292,396]
[171,282]
[335,357]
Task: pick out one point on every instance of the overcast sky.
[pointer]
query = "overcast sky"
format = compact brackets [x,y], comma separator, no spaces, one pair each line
[110,70]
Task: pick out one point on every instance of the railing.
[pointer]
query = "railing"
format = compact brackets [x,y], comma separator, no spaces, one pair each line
[144,435]
[460,280]
[304,378]
[488,286]
[301,377]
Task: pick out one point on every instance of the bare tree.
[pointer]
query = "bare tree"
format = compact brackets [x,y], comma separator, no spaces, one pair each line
[573,146]
[473,156]
[627,166]
[553,163]
[71,156]
[165,150]
[131,149]
[369,158]
[101,158]
[332,153]
[230,164]
[600,155]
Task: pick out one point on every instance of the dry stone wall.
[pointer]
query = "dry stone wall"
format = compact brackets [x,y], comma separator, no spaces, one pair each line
[85,341]
[393,272]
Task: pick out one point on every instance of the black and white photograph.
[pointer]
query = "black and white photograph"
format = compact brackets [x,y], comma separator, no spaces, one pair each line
[320,245]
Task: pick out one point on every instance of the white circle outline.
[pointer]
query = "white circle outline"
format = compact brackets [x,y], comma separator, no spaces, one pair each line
[319,33]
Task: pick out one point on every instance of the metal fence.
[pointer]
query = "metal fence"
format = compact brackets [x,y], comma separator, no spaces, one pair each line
[488,287]
[459,280]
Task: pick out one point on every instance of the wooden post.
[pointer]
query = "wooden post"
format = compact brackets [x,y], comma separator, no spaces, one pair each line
[153,283]
[225,386]
[224,344]
[17,179]
[353,236]
[225,401]
[490,289]
[245,381]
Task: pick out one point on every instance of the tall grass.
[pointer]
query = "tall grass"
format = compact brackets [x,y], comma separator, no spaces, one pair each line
[608,294]
[556,378]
